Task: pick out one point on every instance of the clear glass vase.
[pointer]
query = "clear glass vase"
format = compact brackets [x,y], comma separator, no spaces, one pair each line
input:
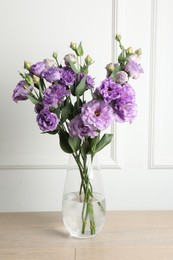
[83,205]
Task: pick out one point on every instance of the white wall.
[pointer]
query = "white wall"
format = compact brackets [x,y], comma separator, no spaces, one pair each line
[138,166]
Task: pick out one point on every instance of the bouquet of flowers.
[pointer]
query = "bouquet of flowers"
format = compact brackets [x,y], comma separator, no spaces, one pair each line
[58,93]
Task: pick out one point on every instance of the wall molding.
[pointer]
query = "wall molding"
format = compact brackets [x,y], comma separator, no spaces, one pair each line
[152,84]
[114,161]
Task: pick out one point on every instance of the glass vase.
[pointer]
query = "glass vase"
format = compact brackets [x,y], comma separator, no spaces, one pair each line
[83,205]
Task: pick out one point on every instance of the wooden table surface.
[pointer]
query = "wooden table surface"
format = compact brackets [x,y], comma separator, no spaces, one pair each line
[127,235]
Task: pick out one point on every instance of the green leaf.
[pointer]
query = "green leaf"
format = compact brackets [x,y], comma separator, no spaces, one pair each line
[94,142]
[86,148]
[22,75]
[113,74]
[81,87]
[56,111]
[79,50]
[63,139]
[54,132]
[40,91]
[84,69]
[117,68]
[77,107]
[29,80]
[33,100]
[74,143]
[105,140]
[73,66]
[122,56]
[72,90]
[66,112]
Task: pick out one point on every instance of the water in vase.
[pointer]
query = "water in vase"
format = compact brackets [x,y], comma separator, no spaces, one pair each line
[74,214]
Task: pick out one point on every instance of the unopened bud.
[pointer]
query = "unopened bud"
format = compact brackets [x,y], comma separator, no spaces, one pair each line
[110,67]
[73,46]
[118,37]
[27,65]
[49,63]
[69,58]
[138,52]
[36,79]
[88,60]
[55,55]
[129,50]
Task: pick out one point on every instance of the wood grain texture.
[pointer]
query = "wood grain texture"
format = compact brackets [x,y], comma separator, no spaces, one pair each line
[126,235]
[124,254]
[37,254]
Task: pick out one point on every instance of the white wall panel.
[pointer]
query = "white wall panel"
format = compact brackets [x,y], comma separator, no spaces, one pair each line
[161,120]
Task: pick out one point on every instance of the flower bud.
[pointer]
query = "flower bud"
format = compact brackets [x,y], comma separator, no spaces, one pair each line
[69,58]
[27,65]
[73,46]
[129,51]
[55,55]
[118,37]
[121,77]
[49,63]
[138,52]
[36,79]
[88,60]
[110,67]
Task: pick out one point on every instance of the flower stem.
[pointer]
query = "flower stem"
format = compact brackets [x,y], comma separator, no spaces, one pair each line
[87,214]
[88,207]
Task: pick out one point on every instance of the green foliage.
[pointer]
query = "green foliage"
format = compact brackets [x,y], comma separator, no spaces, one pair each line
[81,87]
[84,69]
[67,112]
[94,142]
[105,140]
[54,132]
[73,66]
[63,139]
[85,148]
[74,143]
[28,79]
[79,50]
[33,99]
[122,58]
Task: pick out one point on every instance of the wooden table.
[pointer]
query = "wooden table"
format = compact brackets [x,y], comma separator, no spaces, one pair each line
[127,235]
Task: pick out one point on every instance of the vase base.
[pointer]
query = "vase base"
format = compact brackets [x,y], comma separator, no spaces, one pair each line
[82,236]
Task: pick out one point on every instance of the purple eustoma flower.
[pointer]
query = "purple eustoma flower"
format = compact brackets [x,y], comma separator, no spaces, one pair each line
[67,76]
[38,68]
[125,104]
[89,81]
[78,128]
[51,74]
[47,121]
[133,68]
[55,94]
[109,89]
[98,114]
[21,91]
